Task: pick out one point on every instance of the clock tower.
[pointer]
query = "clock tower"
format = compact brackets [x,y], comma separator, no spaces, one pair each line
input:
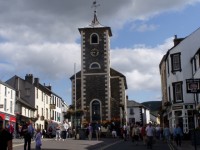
[95,70]
[98,89]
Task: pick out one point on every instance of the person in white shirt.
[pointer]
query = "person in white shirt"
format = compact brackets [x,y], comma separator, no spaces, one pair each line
[150,134]
[65,130]
[114,133]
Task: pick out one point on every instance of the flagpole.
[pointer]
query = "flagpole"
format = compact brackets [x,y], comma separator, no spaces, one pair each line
[75,97]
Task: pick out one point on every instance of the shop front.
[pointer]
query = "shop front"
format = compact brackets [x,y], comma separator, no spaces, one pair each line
[8,119]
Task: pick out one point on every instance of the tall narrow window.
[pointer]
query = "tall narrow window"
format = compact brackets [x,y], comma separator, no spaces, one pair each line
[47,113]
[5,91]
[178,92]
[94,38]
[5,104]
[169,93]
[11,107]
[176,62]
[131,111]
[11,94]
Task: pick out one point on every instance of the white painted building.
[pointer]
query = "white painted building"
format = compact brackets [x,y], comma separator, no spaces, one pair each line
[35,101]
[7,103]
[181,62]
[137,113]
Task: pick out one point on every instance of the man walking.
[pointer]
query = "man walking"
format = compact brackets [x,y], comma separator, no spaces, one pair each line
[28,132]
[150,134]
[5,138]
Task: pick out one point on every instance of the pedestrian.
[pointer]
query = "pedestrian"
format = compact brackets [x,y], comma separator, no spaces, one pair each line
[58,132]
[166,134]
[5,138]
[135,134]
[124,130]
[97,130]
[114,133]
[128,129]
[178,134]
[28,132]
[150,134]
[38,141]
[143,134]
[158,132]
[65,130]
[90,131]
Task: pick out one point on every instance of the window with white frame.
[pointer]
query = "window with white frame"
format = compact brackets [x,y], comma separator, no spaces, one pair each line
[176,62]
[11,107]
[95,65]
[11,94]
[178,92]
[5,91]
[131,111]
[5,104]
[94,38]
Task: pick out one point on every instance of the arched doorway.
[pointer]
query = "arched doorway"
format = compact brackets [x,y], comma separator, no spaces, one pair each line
[96,111]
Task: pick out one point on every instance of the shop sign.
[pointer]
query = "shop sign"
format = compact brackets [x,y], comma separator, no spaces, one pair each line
[177,107]
[7,117]
[193,85]
[52,106]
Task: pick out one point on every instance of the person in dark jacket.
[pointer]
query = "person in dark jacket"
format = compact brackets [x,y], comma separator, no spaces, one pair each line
[28,132]
[5,138]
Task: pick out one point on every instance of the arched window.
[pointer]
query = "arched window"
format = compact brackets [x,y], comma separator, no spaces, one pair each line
[95,110]
[94,38]
[95,65]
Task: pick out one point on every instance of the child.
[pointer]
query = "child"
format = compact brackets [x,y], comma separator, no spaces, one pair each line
[38,142]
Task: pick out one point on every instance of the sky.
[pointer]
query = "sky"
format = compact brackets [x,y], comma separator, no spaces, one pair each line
[41,37]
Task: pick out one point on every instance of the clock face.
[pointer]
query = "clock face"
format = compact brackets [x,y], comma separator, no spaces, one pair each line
[94,52]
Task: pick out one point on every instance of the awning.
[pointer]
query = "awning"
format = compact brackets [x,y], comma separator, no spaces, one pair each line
[12,119]
[2,116]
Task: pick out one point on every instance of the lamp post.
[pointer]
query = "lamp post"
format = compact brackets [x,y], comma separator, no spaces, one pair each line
[75,122]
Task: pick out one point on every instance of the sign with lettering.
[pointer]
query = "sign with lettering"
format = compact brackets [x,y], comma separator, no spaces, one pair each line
[193,85]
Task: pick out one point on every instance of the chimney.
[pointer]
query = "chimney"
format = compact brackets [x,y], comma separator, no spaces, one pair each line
[36,81]
[177,40]
[29,78]
[48,87]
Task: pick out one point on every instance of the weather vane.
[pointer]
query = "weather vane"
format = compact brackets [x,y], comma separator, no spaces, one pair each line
[95,5]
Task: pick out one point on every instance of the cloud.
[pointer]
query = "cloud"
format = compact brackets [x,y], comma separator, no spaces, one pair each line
[144,27]
[50,60]
[140,65]
[41,37]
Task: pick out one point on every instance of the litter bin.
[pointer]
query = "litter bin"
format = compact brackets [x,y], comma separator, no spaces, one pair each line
[82,134]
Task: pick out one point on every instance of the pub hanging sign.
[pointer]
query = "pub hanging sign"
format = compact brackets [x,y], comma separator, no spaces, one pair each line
[193,85]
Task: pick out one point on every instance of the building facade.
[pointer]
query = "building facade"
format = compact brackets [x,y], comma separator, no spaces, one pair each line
[98,90]
[137,113]
[179,64]
[35,102]
[7,104]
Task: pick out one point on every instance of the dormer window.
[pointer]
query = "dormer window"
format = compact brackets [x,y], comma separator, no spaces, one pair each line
[95,65]
[94,38]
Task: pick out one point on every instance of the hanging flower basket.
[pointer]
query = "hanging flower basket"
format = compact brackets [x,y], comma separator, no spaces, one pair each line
[198,107]
[79,112]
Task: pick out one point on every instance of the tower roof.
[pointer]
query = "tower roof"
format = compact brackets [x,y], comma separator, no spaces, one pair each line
[95,22]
